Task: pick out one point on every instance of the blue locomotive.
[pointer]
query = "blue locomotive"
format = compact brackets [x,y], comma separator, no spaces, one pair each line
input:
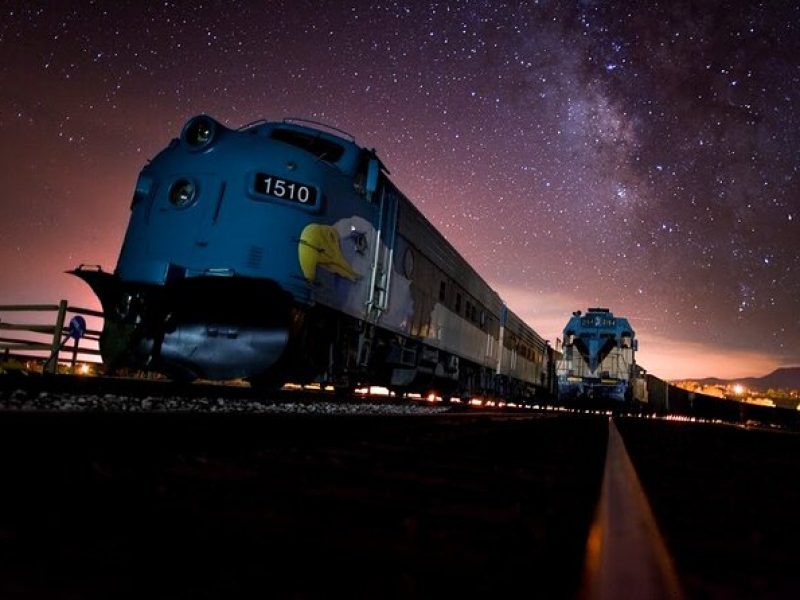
[598,366]
[282,251]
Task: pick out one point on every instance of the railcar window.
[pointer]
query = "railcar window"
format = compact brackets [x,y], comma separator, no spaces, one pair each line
[442,289]
[360,179]
[458,303]
[316,145]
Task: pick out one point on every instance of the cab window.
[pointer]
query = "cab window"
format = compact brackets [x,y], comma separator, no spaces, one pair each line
[321,148]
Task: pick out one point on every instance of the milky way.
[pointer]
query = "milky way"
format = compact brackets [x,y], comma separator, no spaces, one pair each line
[645,159]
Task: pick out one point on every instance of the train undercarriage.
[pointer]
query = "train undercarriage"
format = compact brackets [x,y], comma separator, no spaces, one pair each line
[223,328]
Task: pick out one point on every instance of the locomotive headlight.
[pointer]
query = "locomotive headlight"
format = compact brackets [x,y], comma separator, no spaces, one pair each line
[199,132]
[182,193]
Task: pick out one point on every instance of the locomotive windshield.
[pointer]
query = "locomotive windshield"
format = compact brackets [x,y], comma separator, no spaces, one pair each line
[315,144]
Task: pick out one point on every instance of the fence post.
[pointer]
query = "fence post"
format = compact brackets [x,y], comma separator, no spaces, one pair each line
[74,354]
[51,366]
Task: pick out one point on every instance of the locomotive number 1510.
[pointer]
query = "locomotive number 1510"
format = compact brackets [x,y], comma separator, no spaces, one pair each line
[285,189]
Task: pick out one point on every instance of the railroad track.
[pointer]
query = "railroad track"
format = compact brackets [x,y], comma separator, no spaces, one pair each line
[195,504]
[44,393]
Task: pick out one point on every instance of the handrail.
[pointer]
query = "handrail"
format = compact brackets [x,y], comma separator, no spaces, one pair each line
[331,128]
[85,311]
[28,307]
[39,328]
[35,328]
[48,307]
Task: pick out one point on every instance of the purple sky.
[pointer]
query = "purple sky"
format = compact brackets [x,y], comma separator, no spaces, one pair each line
[578,154]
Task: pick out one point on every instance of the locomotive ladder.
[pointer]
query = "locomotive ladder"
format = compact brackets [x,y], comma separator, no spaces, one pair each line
[381,276]
[385,238]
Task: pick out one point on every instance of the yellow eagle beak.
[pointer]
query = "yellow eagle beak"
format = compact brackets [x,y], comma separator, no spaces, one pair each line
[320,246]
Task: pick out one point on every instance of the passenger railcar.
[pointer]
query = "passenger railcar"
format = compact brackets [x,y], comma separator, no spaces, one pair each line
[283,251]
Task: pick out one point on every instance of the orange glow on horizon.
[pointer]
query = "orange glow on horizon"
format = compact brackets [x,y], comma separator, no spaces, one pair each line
[674,359]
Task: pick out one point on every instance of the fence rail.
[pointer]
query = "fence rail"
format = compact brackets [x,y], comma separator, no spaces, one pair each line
[49,342]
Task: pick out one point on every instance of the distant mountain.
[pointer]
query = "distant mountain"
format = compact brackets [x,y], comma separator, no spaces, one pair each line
[783,378]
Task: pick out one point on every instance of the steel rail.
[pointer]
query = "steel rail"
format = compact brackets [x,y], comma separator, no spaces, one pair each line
[626,556]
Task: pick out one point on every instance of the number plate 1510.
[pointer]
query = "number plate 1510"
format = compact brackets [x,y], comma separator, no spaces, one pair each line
[285,189]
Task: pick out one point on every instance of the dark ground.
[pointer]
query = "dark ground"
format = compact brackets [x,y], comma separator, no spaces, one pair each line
[100,505]
[728,503]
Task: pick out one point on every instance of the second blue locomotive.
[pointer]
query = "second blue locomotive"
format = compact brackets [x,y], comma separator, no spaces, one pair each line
[283,251]
[598,366]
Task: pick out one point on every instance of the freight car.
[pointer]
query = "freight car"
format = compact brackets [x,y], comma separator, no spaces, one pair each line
[598,366]
[283,251]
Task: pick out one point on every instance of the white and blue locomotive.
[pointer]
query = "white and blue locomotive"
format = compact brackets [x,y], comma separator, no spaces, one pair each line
[598,366]
[281,251]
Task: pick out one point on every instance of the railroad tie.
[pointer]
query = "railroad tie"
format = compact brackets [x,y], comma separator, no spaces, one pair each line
[626,556]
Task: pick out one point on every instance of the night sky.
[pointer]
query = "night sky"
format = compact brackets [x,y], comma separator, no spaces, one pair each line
[578,154]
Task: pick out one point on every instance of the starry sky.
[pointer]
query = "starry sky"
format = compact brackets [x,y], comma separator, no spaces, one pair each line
[638,156]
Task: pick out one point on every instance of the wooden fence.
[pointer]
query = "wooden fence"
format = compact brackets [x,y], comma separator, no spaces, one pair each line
[47,342]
